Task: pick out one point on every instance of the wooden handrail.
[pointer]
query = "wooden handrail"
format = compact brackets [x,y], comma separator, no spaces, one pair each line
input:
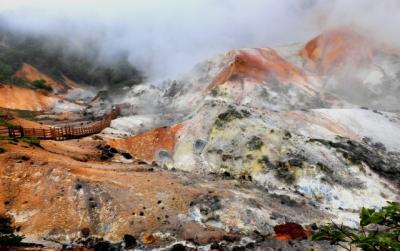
[61,133]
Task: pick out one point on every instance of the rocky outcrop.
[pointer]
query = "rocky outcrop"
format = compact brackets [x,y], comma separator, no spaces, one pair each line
[332,49]
[261,65]
[152,145]
[291,231]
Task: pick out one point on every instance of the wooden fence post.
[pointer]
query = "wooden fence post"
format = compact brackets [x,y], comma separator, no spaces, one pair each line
[62,133]
[21,131]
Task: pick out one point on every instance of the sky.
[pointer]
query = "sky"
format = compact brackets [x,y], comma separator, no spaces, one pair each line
[165,38]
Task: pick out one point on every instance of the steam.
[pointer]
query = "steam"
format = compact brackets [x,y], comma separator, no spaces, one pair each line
[167,38]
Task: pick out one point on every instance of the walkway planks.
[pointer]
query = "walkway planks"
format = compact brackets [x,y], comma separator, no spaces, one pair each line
[61,133]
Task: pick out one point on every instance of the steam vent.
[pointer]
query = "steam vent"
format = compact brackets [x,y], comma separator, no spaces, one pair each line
[199,125]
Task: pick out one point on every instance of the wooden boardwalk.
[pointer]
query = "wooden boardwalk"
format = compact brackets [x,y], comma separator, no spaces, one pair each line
[60,133]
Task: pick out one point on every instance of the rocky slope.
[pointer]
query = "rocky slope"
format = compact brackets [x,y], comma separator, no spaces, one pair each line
[314,122]
[60,194]
[229,153]
[13,97]
[31,74]
[62,96]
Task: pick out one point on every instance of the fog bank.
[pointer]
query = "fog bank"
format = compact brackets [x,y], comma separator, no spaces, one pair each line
[167,38]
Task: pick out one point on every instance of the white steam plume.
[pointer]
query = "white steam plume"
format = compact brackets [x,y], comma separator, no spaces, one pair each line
[167,37]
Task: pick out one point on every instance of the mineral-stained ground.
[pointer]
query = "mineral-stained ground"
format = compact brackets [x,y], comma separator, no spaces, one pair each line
[253,149]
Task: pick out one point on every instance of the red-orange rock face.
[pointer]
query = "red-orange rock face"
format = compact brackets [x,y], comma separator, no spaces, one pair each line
[290,231]
[144,146]
[259,65]
[327,51]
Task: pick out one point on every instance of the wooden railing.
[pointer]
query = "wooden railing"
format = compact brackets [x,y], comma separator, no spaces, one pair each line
[60,133]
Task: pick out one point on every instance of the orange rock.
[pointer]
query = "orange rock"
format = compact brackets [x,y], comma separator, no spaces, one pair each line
[148,239]
[260,64]
[127,186]
[290,231]
[330,49]
[144,146]
[25,99]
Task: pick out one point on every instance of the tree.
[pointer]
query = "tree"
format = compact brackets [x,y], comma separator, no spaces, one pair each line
[379,230]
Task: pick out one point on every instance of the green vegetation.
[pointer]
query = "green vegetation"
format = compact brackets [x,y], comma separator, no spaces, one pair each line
[31,141]
[6,72]
[7,236]
[379,230]
[28,115]
[41,84]
[56,58]
[3,122]
[25,114]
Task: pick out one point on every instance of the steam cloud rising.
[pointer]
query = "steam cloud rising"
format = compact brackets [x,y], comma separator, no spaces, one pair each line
[167,37]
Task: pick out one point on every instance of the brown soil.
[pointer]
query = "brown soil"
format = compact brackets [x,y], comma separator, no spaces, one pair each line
[50,192]
[28,123]
[17,98]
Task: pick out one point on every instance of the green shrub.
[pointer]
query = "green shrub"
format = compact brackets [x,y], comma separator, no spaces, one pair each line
[3,122]
[41,84]
[7,236]
[19,82]
[379,230]
[10,240]
[6,72]
[31,140]
[26,114]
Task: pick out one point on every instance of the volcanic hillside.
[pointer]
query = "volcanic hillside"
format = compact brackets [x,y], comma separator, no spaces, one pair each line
[279,118]
[44,66]
[223,157]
